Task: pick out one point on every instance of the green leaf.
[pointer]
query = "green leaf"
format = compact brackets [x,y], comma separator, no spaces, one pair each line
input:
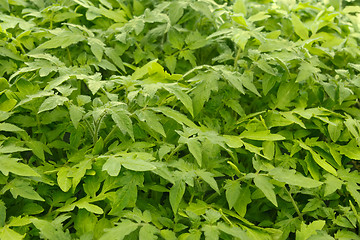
[78,171]
[124,197]
[183,97]
[292,177]
[2,214]
[332,184]
[8,233]
[286,93]
[137,164]
[176,193]
[8,164]
[233,231]
[209,179]
[263,65]
[112,166]
[115,58]
[51,230]
[22,188]
[63,40]
[52,102]
[97,47]
[37,148]
[76,114]
[123,121]
[8,127]
[83,204]
[299,27]
[243,200]
[176,39]
[195,149]
[240,7]
[232,193]
[307,231]
[63,181]
[177,116]
[247,82]
[152,120]
[211,232]
[306,70]
[263,183]
[353,189]
[261,136]
[202,91]
[148,232]
[170,62]
[352,152]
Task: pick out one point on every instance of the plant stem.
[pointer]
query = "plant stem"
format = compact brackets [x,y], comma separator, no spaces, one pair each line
[110,134]
[294,204]
[237,58]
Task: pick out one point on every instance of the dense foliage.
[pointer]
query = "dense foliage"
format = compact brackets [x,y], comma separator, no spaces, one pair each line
[182,119]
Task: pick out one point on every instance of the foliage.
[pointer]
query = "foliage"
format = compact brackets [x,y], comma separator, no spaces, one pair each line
[179,119]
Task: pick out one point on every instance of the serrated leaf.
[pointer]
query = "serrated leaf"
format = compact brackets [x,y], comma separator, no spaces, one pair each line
[22,188]
[247,81]
[306,70]
[170,62]
[52,102]
[307,231]
[332,184]
[177,116]
[352,152]
[182,96]
[148,232]
[123,122]
[209,179]
[291,177]
[263,65]
[175,38]
[353,189]
[8,164]
[263,183]
[115,58]
[176,193]
[51,230]
[63,40]
[211,232]
[152,120]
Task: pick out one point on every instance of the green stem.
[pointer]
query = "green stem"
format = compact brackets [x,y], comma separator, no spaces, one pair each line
[69,56]
[237,58]
[110,134]
[89,128]
[174,151]
[294,204]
